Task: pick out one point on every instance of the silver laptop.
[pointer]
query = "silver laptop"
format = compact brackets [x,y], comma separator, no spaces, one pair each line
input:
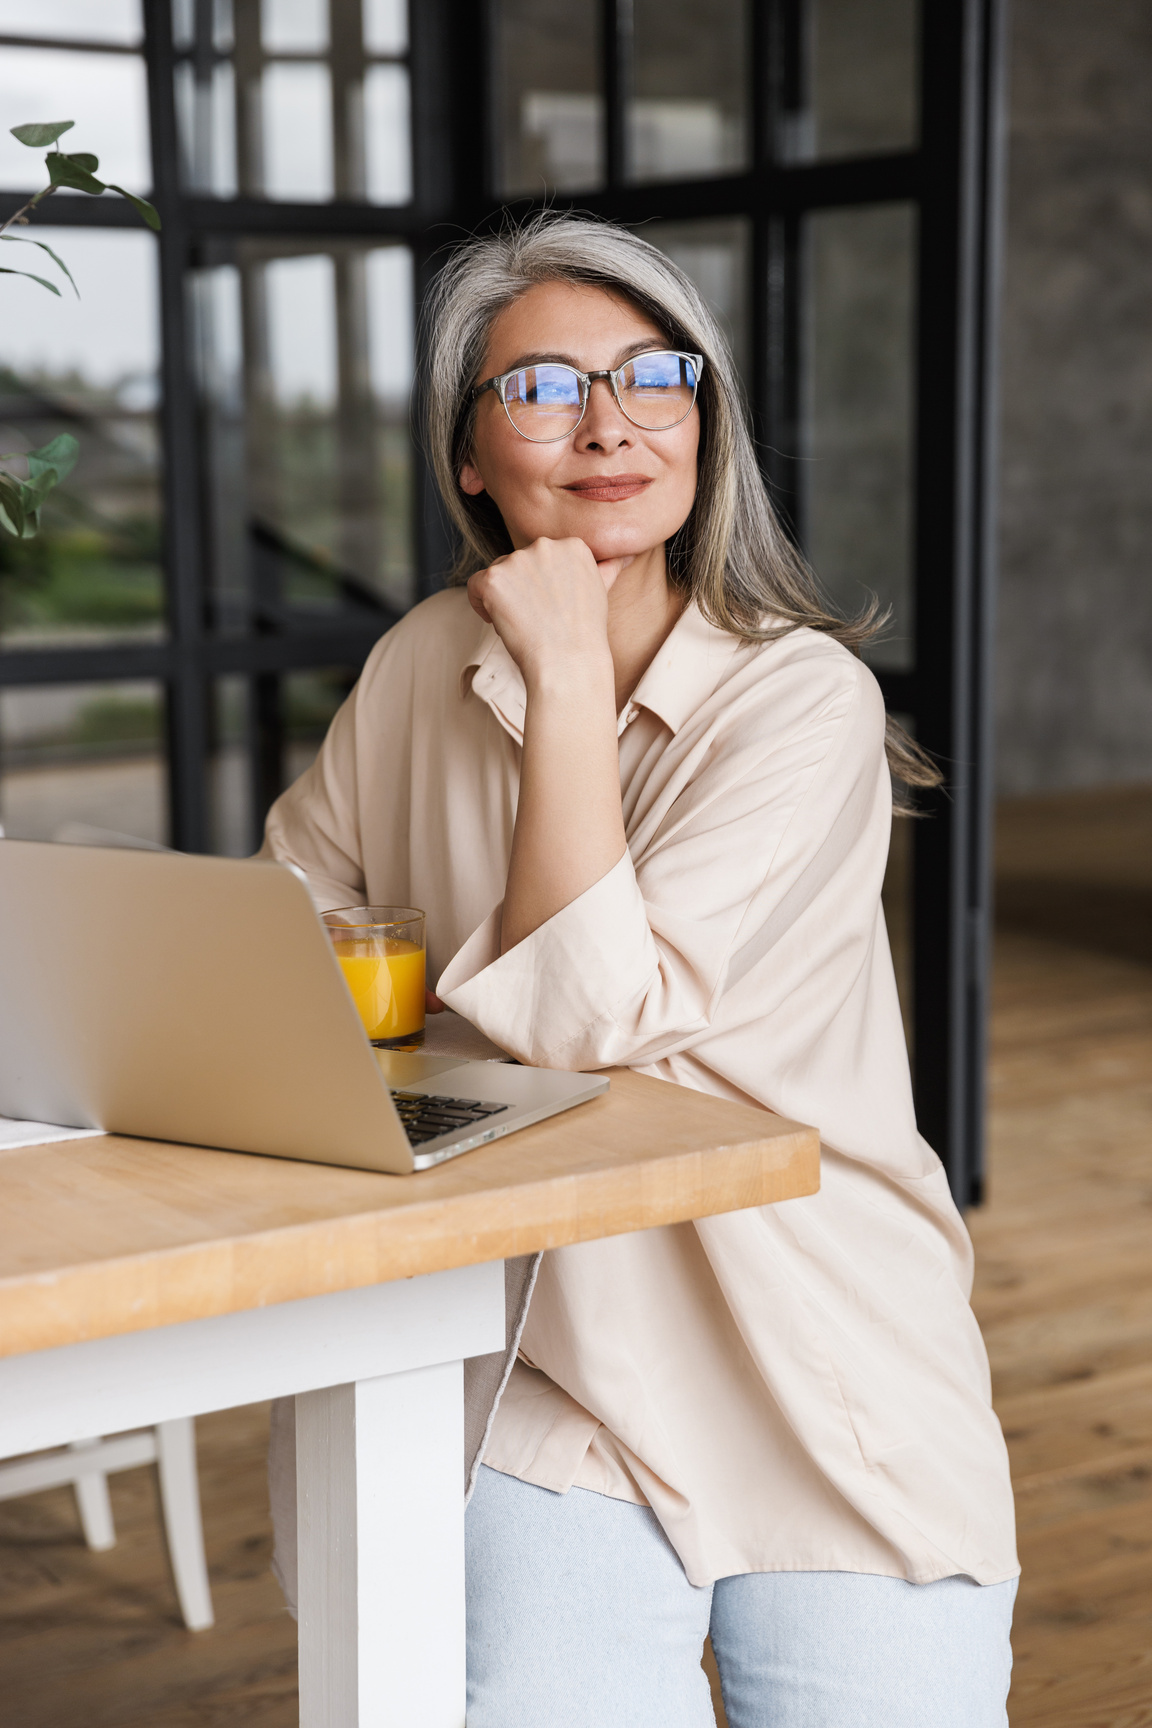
[199,1000]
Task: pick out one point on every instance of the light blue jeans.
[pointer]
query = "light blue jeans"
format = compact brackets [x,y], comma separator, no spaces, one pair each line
[580,1616]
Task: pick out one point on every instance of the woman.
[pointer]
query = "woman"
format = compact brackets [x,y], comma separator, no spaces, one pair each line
[637,778]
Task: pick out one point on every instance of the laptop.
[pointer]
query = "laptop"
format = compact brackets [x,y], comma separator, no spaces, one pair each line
[198,1000]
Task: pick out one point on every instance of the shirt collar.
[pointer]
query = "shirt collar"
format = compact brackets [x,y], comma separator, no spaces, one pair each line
[495,677]
[685,671]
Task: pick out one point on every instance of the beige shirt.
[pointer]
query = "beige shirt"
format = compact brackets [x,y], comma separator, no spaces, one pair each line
[794,1387]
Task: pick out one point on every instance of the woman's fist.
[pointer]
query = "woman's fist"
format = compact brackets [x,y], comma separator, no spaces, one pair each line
[548,604]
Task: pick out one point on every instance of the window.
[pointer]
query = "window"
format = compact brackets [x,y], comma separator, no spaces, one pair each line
[250,512]
[826,171]
[296,100]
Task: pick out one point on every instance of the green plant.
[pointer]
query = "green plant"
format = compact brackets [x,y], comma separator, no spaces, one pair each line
[21,500]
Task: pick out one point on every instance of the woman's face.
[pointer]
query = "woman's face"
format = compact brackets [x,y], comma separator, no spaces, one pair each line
[618,488]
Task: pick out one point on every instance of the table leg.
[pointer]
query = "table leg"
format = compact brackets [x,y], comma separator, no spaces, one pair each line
[380,1510]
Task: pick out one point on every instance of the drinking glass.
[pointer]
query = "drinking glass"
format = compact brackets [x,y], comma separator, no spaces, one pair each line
[381,954]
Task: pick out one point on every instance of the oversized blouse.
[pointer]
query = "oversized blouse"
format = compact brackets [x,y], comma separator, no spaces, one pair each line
[793,1387]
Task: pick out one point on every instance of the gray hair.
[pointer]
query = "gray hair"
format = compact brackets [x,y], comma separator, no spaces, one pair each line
[731,555]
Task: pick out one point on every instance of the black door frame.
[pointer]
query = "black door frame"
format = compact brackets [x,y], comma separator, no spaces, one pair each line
[954,178]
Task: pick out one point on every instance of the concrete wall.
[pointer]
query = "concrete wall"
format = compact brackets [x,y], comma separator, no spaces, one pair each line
[1075,674]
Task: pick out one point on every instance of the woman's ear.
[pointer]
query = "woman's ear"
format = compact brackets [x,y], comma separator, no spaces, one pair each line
[470,480]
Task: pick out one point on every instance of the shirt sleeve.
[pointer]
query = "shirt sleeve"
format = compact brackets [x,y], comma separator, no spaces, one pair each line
[656,955]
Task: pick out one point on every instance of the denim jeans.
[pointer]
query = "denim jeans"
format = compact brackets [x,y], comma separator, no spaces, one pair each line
[580,1616]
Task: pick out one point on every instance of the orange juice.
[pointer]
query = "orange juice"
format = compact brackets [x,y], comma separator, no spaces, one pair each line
[386,978]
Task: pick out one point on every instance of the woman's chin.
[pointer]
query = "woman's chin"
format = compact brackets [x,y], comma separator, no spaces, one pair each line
[636,554]
[605,540]
[620,540]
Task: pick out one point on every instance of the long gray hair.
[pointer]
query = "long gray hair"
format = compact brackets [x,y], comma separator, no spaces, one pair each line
[731,555]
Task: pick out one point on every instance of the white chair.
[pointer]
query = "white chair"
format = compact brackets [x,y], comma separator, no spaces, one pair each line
[86,1465]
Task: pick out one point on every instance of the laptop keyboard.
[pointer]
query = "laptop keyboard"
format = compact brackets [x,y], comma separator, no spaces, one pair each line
[427,1115]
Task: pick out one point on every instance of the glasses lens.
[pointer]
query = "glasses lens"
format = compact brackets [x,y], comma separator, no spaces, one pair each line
[657,390]
[543,402]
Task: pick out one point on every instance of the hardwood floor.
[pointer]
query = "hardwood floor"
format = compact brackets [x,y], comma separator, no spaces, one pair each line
[1064,1249]
[1064,1294]
[96,1641]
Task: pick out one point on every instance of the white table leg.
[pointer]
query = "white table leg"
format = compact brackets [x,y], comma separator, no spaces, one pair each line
[381,1457]
[381,1551]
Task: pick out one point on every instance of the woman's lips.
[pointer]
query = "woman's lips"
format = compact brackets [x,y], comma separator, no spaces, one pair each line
[610,488]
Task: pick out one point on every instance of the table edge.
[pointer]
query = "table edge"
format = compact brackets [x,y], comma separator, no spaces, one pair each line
[161,1287]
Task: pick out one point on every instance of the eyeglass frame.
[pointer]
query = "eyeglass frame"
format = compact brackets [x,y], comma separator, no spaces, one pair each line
[500,384]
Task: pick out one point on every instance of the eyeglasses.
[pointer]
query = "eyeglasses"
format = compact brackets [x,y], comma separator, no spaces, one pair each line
[546,403]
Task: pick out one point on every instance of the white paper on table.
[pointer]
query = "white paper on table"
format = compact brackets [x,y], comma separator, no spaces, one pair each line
[15,1132]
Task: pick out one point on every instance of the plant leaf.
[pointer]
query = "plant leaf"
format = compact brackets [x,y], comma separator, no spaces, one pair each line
[58,457]
[39,137]
[32,496]
[69,171]
[84,159]
[34,491]
[140,205]
[63,171]
[43,281]
[11,507]
[21,500]
[18,240]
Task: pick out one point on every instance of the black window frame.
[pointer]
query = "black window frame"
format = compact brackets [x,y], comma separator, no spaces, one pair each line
[953,177]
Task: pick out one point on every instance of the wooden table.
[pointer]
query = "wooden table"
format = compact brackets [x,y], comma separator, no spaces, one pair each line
[141,1281]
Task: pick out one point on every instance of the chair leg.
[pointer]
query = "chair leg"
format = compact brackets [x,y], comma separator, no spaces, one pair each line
[93,1503]
[180,1498]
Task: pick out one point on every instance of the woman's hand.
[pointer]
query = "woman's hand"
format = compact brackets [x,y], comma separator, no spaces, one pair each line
[549,606]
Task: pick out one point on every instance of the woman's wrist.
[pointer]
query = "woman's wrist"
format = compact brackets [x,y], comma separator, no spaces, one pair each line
[579,675]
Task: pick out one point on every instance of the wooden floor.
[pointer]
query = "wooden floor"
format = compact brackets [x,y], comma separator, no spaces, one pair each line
[1064,1249]
[1064,1293]
[95,1640]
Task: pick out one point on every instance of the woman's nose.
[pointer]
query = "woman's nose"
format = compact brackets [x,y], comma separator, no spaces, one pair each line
[604,426]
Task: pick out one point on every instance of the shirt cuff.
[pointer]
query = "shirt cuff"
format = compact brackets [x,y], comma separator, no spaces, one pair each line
[552,1000]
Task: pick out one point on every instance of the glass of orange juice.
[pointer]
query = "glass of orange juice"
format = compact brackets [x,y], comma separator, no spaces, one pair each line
[381,954]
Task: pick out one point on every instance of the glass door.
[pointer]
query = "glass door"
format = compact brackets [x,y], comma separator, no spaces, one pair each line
[828,172]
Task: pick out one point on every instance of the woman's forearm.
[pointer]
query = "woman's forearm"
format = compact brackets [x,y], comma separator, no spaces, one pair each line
[569,827]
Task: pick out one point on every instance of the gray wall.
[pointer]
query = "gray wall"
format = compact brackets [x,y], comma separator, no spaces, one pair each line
[1075,651]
